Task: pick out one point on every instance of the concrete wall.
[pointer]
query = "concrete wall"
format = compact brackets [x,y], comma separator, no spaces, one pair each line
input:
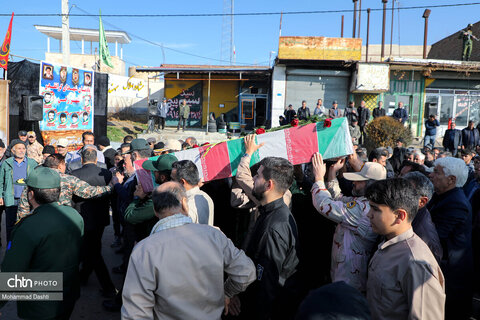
[374,52]
[279,78]
[221,92]
[87,61]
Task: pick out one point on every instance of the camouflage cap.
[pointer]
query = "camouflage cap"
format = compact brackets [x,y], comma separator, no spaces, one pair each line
[43,178]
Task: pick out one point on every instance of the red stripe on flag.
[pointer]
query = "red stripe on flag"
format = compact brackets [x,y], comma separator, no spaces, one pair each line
[302,143]
[5,48]
[215,162]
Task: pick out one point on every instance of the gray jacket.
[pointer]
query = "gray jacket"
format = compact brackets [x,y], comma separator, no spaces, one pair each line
[162,109]
[191,284]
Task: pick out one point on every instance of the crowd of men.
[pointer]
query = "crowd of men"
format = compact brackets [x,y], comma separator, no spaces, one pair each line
[388,234]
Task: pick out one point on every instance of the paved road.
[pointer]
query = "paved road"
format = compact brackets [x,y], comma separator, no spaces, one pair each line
[89,306]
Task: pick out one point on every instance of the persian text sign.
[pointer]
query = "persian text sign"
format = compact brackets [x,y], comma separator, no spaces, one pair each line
[68,98]
[320,48]
[126,87]
[371,77]
[193,96]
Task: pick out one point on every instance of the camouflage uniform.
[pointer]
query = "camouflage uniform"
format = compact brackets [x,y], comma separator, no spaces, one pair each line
[34,151]
[354,239]
[69,186]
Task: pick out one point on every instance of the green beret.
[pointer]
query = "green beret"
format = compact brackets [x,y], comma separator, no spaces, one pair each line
[163,163]
[43,178]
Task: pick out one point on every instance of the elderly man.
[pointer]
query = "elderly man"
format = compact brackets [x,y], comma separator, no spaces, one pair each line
[422,224]
[452,215]
[200,205]
[354,239]
[34,148]
[379,111]
[49,240]
[400,114]
[404,279]
[190,285]
[13,173]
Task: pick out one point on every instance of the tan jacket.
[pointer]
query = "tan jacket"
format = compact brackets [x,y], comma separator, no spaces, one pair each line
[178,273]
[405,281]
[34,151]
[200,206]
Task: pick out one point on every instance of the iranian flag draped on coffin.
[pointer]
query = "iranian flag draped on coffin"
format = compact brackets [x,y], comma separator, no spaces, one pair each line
[296,144]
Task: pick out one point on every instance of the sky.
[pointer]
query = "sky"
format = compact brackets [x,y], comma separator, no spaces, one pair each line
[255,37]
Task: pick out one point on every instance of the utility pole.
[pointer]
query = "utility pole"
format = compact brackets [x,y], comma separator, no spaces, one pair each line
[65,33]
[426,14]
[341,32]
[354,17]
[359,16]
[232,46]
[368,34]
[382,54]
[391,31]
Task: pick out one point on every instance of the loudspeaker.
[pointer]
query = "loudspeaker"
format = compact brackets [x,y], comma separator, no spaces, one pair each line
[32,108]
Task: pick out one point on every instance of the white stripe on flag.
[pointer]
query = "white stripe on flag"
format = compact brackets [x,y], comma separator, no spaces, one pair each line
[192,155]
[275,145]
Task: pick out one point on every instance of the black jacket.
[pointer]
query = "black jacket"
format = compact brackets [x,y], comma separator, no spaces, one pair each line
[452,140]
[109,155]
[350,115]
[303,114]
[289,115]
[95,212]
[423,226]
[452,215]
[467,140]
[363,116]
[273,247]
[377,112]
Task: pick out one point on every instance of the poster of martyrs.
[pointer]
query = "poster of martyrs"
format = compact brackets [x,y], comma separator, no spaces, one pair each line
[67,102]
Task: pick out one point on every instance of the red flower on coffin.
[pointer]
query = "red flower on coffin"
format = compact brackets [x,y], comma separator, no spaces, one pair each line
[260,131]
[327,123]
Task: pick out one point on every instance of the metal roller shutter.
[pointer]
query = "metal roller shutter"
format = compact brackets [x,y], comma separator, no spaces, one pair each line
[311,85]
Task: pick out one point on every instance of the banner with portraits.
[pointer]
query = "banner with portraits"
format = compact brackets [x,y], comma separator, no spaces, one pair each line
[68,98]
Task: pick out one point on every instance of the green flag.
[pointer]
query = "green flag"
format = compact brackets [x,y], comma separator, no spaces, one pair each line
[104,53]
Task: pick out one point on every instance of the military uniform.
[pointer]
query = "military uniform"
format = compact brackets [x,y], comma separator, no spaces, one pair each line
[468,37]
[183,114]
[354,239]
[36,243]
[69,185]
[34,151]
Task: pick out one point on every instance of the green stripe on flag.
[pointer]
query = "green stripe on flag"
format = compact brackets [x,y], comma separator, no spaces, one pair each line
[326,135]
[236,150]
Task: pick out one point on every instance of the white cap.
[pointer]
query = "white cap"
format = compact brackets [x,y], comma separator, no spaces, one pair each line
[173,144]
[62,142]
[370,171]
